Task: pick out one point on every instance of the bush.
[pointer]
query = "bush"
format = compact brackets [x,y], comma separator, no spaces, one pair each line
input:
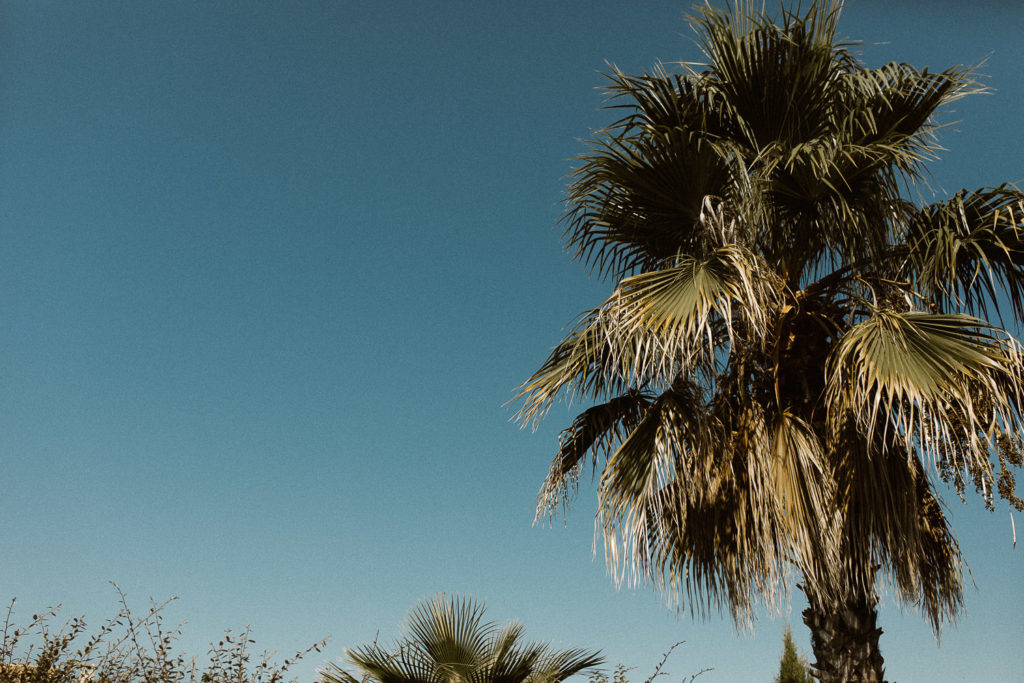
[620,671]
[127,649]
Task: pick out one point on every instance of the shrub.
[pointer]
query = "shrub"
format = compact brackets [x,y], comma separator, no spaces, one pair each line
[620,671]
[128,649]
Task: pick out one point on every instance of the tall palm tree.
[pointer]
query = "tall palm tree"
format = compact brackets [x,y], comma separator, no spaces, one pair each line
[447,641]
[796,350]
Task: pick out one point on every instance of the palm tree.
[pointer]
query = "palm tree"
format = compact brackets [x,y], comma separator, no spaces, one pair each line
[447,641]
[796,350]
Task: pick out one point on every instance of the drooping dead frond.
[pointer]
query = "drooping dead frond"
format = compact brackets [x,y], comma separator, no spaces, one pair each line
[596,430]
[892,523]
[804,489]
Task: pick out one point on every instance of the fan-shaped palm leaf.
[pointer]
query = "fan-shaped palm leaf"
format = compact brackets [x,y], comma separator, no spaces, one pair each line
[658,324]
[949,384]
[447,641]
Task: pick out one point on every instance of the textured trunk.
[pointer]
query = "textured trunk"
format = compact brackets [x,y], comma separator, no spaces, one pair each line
[845,641]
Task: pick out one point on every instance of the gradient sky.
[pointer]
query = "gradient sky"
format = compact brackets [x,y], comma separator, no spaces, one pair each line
[270,271]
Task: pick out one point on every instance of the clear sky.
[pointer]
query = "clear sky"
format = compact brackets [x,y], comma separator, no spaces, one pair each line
[269,272]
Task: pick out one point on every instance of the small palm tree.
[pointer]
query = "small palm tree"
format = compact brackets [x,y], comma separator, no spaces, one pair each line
[447,641]
[797,348]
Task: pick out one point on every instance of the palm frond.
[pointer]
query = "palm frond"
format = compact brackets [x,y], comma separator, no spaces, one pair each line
[596,430]
[687,503]
[968,250]
[775,78]
[893,123]
[657,325]
[947,384]
[554,667]
[892,521]
[452,634]
[804,490]
[447,641]
[636,197]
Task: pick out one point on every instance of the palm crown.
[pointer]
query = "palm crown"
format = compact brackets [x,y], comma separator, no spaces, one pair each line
[793,344]
[447,641]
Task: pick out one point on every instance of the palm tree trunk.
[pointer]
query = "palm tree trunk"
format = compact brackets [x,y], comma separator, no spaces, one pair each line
[845,641]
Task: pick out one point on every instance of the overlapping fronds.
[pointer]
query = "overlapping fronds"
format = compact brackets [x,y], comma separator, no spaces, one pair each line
[770,396]
[677,506]
[891,520]
[806,143]
[774,77]
[803,491]
[596,430]
[966,251]
[636,198]
[657,325]
[715,502]
[447,641]
[674,312]
[893,123]
[946,384]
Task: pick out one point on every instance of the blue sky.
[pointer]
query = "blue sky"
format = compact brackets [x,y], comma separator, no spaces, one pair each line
[270,272]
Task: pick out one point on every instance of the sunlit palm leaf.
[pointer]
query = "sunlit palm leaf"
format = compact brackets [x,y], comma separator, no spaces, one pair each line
[948,384]
[672,310]
[447,641]
[656,325]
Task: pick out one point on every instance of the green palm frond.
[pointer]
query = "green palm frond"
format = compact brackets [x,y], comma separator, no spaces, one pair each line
[636,198]
[447,641]
[947,384]
[893,124]
[673,429]
[656,325]
[508,660]
[968,250]
[557,666]
[775,78]
[452,634]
